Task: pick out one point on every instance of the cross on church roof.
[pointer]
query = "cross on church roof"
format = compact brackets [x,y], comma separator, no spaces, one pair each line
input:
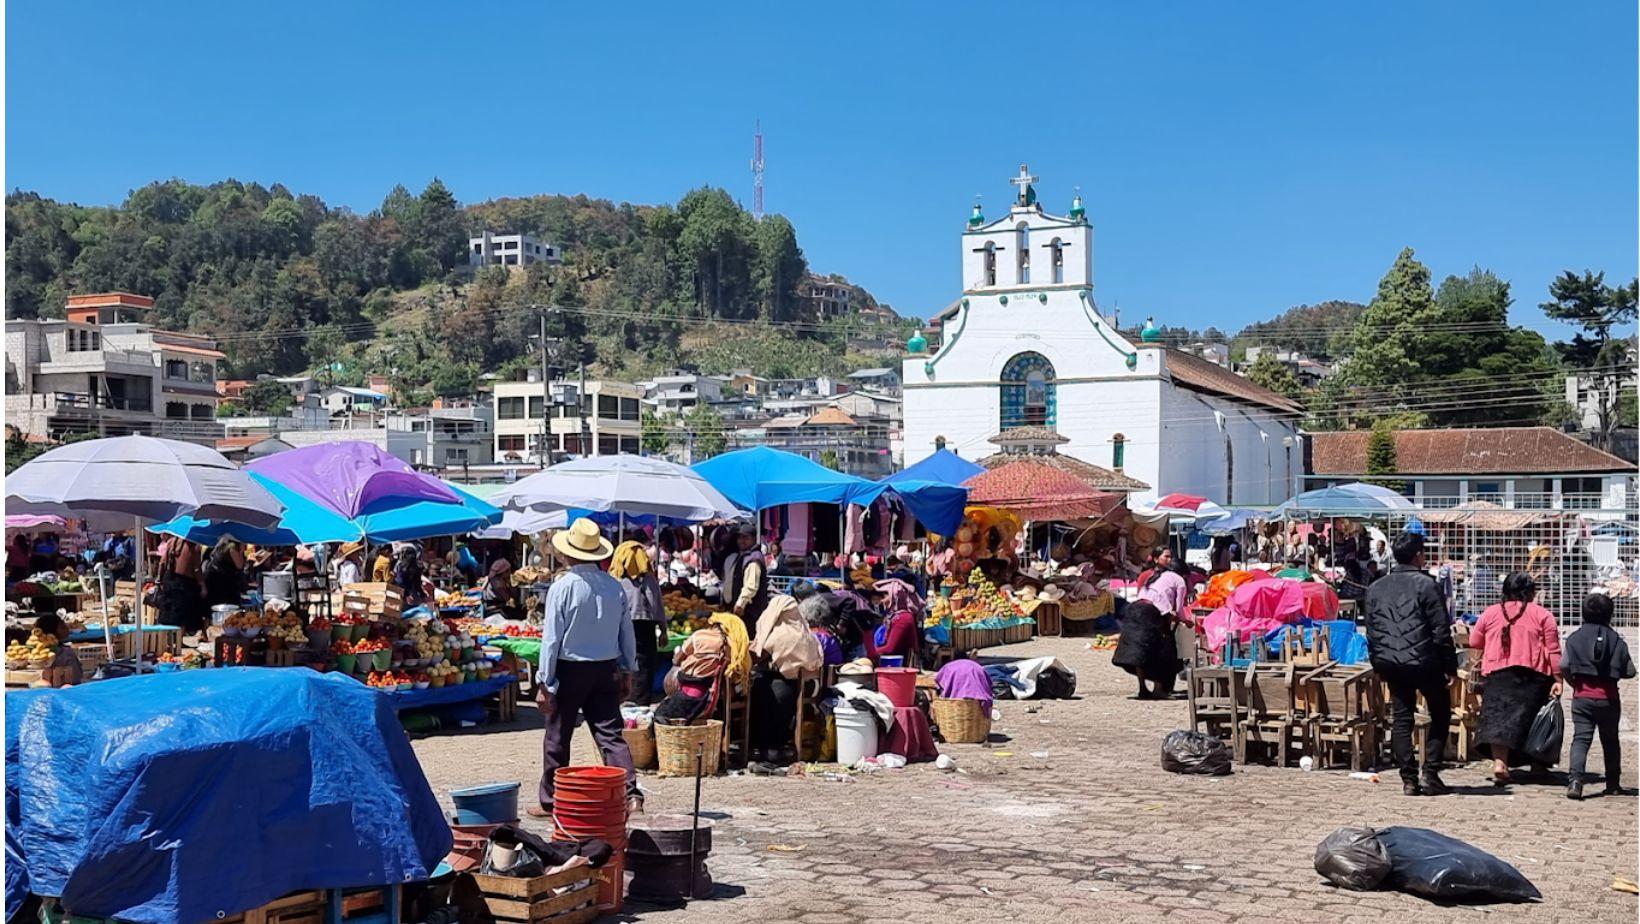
[1027,195]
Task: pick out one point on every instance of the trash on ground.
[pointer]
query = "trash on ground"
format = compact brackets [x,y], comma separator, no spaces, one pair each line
[1420,862]
[1195,753]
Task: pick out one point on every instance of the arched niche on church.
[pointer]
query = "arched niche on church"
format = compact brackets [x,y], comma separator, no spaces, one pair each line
[1029,396]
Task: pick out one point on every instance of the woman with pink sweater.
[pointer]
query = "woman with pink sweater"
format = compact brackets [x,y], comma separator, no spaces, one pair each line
[1519,643]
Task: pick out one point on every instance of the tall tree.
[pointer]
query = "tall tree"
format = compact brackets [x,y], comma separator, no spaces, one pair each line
[1273,374]
[1381,457]
[780,269]
[1608,361]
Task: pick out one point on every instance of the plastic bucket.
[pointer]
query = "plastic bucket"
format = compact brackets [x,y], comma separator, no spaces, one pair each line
[492,803]
[856,735]
[899,684]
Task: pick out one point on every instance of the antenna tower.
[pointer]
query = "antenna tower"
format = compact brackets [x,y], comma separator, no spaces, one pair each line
[757,171]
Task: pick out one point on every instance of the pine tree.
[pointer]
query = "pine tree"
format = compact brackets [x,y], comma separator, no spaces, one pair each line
[1381,459]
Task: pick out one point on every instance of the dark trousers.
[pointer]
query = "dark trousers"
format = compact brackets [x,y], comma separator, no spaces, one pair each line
[647,634]
[586,688]
[1405,686]
[1589,716]
[774,705]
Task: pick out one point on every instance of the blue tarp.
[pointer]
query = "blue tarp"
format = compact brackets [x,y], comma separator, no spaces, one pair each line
[191,795]
[1345,644]
[943,467]
[443,696]
[760,477]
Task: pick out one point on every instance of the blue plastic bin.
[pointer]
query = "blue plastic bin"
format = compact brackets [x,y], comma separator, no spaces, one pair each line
[489,804]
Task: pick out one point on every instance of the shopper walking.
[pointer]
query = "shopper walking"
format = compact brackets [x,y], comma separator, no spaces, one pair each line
[633,567]
[1520,671]
[1596,658]
[586,656]
[1409,642]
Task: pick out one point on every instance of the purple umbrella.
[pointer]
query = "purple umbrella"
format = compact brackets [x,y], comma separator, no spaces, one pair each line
[352,478]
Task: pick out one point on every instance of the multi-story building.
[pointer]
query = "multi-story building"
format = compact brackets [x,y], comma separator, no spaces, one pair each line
[605,420]
[830,297]
[509,250]
[677,392]
[105,369]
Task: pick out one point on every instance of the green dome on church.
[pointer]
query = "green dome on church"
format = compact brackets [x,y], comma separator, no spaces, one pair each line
[1151,333]
[976,217]
[917,344]
[1077,211]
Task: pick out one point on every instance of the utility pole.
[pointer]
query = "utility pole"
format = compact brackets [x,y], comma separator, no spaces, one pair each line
[581,401]
[546,392]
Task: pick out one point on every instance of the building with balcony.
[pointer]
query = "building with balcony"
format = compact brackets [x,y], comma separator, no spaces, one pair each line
[509,250]
[1523,468]
[105,369]
[677,392]
[610,411]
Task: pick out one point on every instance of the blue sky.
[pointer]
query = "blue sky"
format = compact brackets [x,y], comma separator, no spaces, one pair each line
[1236,159]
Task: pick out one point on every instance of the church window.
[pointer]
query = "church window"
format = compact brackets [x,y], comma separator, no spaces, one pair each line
[1118,451]
[1024,255]
[1028,392]
[1056,250]
[990,264]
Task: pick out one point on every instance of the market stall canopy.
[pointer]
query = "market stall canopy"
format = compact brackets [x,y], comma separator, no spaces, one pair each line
[1239,518]
[304,521]
[120,479]
[352,478]
[1489,517]
[1354,499]
[430,518]
[307,779]
[33,521]
[1039,492]
[943,467]
[938,506]
[1185,508]
[523,522]
[760,477]
[633,485]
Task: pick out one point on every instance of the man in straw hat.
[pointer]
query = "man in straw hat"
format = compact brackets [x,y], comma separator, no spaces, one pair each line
[587,655]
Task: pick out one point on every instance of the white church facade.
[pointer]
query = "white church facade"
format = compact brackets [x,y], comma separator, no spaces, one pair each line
[1026,346]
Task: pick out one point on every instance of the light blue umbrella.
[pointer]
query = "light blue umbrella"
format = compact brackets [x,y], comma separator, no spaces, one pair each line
[430,518]
[1239,518]
[303,522]
[1343,500]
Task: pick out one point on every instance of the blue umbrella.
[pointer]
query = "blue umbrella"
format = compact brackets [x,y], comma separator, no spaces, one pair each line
[430,518]
[304,521]
[1239,518]
[1354,499]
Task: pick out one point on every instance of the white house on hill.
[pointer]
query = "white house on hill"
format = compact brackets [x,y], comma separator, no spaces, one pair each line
[1026,345]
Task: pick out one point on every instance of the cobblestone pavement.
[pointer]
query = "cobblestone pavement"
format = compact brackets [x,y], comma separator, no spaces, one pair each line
[1072,819]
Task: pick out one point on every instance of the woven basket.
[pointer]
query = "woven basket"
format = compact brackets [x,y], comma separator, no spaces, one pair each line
[675,747]
[641,742]
[962,721]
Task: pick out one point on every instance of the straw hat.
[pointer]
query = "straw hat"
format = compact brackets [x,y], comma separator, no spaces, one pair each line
[348,548]
[582,541]
[1145,535]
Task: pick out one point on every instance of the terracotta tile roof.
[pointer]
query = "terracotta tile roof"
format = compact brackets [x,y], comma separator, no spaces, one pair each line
[1029,435]
[1094,476]
[1198,374]
[230,443]
[1477,451]
[1039,492]
[830,417]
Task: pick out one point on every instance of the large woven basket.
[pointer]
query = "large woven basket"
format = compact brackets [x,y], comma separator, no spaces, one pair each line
[641,742]
[962,721]
[675,747]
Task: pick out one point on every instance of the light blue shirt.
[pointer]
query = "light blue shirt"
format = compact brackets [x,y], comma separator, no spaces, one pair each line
[587,618]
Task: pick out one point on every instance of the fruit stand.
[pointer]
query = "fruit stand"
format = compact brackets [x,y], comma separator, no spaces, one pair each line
[976,614]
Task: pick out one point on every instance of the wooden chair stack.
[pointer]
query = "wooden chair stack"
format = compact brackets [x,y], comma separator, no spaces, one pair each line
[1263,696]
[1340,714]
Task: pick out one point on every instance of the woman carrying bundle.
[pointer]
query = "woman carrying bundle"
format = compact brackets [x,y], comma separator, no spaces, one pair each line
[1146,648]
[1520,669]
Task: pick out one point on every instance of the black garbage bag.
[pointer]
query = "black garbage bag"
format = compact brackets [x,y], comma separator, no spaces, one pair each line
[1547,733]
[1055,683]
[1442,868]
[1353,858]
[1194,752]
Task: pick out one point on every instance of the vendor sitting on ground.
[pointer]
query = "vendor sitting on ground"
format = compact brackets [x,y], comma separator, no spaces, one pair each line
[784,654]
[964,678]
[65,669]
[499,592]
[711,655]
[898,635]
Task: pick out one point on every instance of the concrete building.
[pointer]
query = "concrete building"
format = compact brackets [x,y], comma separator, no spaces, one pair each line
[611,410]
[829,297]
[105,369]
[1523,468]
[677,392]
[509,250]
[1026,345]
[450,437]
[883,380]
[346,399]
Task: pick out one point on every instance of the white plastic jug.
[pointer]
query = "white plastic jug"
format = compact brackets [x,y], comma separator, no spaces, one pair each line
[856,735]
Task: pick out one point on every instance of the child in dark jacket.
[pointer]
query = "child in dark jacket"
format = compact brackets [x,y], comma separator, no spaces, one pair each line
[1594,659]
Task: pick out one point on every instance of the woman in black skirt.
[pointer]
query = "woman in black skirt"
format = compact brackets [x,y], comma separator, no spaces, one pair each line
[1519,644]
[1146,649]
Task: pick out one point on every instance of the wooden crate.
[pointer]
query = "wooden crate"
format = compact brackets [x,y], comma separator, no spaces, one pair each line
[24,678]
[537,900]
[92,655]
[373,598]
[1046,615]
[296,908]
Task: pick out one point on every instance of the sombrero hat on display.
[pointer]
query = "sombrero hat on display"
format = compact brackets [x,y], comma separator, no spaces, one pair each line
[1143,534]
[582,541]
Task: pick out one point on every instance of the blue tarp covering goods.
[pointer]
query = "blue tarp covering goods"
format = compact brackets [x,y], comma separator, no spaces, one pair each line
[196,794]
[759,478]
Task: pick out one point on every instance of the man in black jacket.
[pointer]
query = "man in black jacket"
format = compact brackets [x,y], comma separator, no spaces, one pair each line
[1409,639]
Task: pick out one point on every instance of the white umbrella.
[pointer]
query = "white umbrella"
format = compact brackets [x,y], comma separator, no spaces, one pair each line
[628,485]
[133,480]
[528,522]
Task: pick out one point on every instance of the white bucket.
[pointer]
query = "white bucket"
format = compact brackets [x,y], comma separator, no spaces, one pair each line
[856,735]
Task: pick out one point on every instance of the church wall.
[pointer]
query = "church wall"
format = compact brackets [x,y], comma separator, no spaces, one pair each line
[1195,427]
